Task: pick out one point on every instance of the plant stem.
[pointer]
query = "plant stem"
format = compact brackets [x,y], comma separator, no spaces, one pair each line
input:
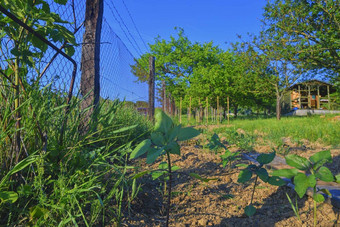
[314,202]
[169,191]
[252,195]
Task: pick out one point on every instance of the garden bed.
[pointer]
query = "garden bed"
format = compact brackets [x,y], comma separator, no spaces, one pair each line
[221,202]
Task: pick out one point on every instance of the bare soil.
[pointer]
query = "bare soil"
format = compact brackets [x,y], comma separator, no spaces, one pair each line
[221,202]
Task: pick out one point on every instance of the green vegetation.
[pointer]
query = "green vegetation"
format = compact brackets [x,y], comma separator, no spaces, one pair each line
[164,141]
[302,181]
[313,128]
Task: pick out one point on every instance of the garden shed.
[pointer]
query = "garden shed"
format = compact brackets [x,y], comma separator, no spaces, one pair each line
[311,94]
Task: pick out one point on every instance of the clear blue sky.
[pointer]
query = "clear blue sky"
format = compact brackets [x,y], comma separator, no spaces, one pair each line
[202,20]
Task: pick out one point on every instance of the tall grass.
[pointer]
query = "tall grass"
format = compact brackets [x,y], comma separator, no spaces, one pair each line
[81,181]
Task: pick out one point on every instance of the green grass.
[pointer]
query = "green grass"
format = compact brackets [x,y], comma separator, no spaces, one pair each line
[313,128]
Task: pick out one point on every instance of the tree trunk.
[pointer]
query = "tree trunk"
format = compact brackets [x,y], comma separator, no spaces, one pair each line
[278,107]
[90,60]
[235,110]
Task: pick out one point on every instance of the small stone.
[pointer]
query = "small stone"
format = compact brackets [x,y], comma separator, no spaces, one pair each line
[202,222]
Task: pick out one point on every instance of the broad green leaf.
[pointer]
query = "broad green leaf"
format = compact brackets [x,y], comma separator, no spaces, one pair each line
[163,122]
[39,44]
[263,174]
[187,133]
[301,184]
[174,168]
[337,178]
[326,191]
[265,158]
[173,148]
[157,174]
[69,50]
[244,176]
[153,154]
[288,173]
[194,175]
[318,198]
[277,181]
[141,149]
[324,174]
[174,132]
[321,158]
[298,162]
[322,155]
[163,165]
[311,181]
[250,210]
[157,138]
[8,196]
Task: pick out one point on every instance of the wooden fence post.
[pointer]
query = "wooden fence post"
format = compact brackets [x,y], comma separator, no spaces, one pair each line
[228,108]
[90,60]
[189,116]
[218,110]
[151,88]
[180,110]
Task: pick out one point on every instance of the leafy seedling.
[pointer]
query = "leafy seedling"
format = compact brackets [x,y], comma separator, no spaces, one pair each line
[228,157]
[164,141]
[260,172]
[302,181]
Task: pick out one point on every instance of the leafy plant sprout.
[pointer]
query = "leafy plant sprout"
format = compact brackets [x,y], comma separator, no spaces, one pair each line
[164,141]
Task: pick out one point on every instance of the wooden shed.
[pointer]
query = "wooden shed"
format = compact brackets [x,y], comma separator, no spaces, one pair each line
[311,94]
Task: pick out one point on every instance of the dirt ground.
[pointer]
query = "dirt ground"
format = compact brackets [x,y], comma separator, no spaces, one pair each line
[221,202]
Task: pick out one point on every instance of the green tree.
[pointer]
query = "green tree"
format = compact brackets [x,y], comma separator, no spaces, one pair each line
[310,29]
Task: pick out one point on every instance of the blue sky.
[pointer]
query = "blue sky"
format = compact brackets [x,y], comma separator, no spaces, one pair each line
[215,20]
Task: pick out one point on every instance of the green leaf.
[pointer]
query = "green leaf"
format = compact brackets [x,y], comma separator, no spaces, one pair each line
[163,122]
[38,212]
[173,148]
[187,133]
[288,173]
[38,43]
[61,2]
[250,210]
[141,149]
[157,138]
[265,158]
[163,165]
[194,175]
[153,154]
[8,196]
[69,50]
[337,178]
[324,174]
[174,168]
[277,181]
[324,190]
[20,166]
[138,175]
[263,174]
[157,174]
[311,181]
[244,176]
[174,132]
[321,158]
[318,198]
[298,162]
[301,184]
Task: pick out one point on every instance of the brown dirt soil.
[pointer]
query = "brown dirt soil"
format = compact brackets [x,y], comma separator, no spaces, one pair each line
[221,202]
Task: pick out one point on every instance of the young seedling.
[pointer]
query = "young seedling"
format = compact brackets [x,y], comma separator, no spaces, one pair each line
[259,172]
[228,157]
[303,181]
[164,141]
